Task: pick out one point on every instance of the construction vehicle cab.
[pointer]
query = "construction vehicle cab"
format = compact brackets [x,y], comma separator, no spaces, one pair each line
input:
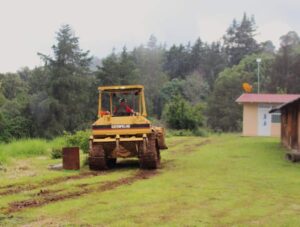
[122,129]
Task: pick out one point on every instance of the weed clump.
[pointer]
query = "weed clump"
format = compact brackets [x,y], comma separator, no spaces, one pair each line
[2,168]
[79,139]
[56,153]
[201,132]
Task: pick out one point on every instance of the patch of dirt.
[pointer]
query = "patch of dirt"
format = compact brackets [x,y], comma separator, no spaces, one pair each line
[170,164]
[44,192]
[20,168]
[58,166]
[44,199]
[190,148]
[2,168]
[83,185]
[173,143]
[44,222]
[47,196]
[13,190]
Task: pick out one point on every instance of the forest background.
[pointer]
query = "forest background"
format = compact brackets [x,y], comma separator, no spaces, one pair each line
[190,86]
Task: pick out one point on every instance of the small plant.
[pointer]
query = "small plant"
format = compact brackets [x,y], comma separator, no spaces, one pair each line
[182,115]
[200,132]
[2,168]
[181,132]
[79,139]
[56,153]
[86,161]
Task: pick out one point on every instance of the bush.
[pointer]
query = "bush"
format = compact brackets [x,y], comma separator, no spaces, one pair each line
[79,139]
[58,142]
[13,124]
[56,147]
[56,153]
[180,114]
[200,132]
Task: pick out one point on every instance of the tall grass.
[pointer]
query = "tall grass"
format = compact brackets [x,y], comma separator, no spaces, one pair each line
[28,148]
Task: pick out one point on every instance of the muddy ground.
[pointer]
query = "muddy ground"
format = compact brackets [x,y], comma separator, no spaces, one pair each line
[45,196]
[23,195]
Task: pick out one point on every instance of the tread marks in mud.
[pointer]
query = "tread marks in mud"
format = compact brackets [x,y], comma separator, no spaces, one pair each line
[48,196]
[18,188]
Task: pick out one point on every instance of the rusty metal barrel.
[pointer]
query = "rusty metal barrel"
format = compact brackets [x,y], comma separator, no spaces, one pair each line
[71,159]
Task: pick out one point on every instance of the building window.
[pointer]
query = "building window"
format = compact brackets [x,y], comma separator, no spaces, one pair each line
[276,118]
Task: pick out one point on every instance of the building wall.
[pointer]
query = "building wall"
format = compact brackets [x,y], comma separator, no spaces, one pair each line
[275,129]
[284,131]
[299,127]
[250,119]
[290,121]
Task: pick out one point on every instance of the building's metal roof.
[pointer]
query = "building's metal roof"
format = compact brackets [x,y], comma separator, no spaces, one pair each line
[267,98]
[277,108]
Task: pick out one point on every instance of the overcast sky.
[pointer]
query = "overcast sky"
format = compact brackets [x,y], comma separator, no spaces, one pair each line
[28,27]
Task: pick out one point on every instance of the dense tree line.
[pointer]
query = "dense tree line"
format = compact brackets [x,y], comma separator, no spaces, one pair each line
[187,85]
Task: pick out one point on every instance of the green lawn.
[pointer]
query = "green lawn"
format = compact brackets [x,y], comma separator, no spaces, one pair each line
[224,180]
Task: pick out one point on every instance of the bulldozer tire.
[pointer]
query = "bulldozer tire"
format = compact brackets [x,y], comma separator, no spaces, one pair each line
[150,158]
[158,156]
[111,162]
[97,159]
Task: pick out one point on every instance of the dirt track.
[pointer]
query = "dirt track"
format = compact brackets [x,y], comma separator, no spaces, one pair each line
[45,196]
[40,192]
[17,188]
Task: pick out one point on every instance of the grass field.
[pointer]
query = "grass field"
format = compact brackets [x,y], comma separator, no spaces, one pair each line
[224,180]
[25,148]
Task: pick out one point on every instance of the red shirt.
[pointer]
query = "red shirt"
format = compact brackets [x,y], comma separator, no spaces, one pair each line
[123,105]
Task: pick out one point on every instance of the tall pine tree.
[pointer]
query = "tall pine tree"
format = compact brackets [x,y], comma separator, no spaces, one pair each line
[118,69]
[239,40]
[63,105]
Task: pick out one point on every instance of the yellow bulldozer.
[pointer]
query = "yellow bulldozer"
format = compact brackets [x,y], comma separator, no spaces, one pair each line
[123,131]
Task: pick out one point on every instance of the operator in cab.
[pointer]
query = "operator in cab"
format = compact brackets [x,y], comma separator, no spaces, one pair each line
[123,109]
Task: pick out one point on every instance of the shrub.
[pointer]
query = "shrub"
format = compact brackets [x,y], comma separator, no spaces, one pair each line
[79,139]
[200,132]
[58,142]
[180,114]
[56,147]
[56,153]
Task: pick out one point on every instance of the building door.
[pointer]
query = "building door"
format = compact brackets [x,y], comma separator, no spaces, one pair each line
[264,121]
